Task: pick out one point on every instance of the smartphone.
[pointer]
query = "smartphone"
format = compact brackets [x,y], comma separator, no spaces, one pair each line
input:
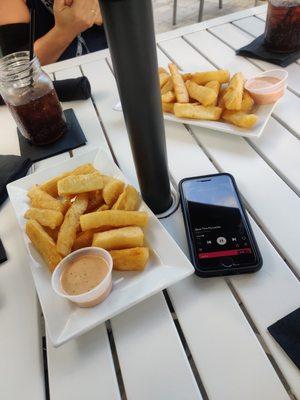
[220,238]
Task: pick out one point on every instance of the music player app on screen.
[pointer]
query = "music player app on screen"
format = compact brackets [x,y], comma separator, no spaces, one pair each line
[219,234]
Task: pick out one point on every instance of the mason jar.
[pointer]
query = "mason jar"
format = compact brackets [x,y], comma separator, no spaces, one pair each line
[29,94]
[282,32]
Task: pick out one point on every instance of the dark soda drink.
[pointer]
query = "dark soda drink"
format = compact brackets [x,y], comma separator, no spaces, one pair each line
[40,119]
[282,33]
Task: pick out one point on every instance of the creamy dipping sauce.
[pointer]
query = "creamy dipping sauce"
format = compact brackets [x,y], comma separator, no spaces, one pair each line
[265,89]
[263,82]
[83,274]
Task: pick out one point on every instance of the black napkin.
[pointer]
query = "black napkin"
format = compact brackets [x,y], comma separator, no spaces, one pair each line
[256,49]
[286,332]
[3,256]
[73,89]
[73,138]
[11,168]
[70,89]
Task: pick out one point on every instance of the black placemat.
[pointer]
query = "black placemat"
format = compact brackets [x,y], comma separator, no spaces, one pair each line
[286,332]
[256,49]
[72,139]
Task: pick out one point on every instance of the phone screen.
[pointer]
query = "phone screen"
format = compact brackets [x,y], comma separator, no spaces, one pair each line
[220,235]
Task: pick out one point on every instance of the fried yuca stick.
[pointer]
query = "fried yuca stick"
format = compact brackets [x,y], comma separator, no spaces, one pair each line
[163,78]
[202,78]
[43,243]
[168,107]
[84,239]
[129,200]
[50,186]
[180,90]
[41,199]
[67,233]
[134,259]
[247,102]
[112,218]
[95,200]
[187,77]
[168,97]
[197,112]
[215,86]
[112,191]
[104,207]
[168,86]
[74,184]
[122,238]
[49,218]
[162,70]
[234,93]
[240,118]
[204,95]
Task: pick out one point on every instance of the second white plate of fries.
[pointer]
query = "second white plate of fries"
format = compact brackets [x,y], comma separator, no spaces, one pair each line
[212,99]
[59,217]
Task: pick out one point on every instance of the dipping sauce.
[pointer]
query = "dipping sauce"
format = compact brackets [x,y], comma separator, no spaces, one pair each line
[84,274]
[265,89]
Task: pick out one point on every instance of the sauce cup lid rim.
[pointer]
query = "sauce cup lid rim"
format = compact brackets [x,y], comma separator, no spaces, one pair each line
[271,86]
[79,297]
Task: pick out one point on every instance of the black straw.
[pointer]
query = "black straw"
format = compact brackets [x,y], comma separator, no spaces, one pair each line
[32,30]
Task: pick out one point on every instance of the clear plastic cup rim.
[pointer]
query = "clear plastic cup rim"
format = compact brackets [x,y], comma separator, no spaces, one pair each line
[91,294]
[276,73]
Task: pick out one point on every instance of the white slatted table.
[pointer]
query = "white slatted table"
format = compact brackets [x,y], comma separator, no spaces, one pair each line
[202,339]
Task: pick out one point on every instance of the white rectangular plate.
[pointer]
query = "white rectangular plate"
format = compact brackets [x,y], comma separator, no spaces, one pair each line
[65,320]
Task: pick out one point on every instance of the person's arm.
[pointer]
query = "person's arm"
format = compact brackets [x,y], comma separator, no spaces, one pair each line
[71,18]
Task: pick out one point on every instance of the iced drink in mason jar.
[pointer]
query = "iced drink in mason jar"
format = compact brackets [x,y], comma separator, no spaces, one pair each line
[29,93]
[282,33]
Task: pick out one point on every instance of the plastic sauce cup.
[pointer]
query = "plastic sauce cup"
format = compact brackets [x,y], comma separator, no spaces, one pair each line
[270,92]
[98,293]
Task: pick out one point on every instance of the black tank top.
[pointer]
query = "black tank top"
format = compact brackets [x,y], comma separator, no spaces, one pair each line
[92,39]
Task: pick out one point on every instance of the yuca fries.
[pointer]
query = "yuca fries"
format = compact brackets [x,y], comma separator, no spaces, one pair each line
[112,191]
[122,238]
[167,87]
[210,94]
[128,200]
[168,97]
[81,191]
[84,239]
[221,75]
[75,184]
[67,233]
[104,207]
[134,259]
[163,78]
[234,93]
[41,199]
[50,218]
[113,218]
[168,107]
[215,86]
[205,95]
[44,244]
[180,90]
[95,200]
[197,112]
[247,102]
[240,118]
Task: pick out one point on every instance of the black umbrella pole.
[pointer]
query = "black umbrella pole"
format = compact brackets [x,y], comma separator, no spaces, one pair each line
[129,29]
